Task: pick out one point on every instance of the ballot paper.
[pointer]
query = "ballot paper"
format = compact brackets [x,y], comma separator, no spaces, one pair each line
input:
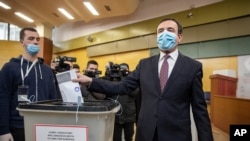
[70,91]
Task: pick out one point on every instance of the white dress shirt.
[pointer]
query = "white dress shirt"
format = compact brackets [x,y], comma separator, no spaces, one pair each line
[171,61]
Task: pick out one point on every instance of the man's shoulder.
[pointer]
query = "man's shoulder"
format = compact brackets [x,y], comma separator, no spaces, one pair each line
[11,64]
[151,58]
[189,59]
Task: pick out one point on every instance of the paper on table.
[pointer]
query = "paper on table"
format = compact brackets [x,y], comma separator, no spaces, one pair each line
[70,91]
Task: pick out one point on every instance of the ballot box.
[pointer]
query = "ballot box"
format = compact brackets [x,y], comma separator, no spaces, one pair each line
[59,121]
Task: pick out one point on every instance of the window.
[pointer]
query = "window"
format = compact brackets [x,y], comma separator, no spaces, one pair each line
[3,31]
[9,32]
[14,33]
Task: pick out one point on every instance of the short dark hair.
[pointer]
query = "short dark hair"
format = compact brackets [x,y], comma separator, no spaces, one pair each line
[76,66]
[124,64]
[92,62]
[22,34]
[178,24]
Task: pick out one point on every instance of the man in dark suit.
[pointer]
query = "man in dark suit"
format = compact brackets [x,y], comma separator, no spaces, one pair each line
[165,108]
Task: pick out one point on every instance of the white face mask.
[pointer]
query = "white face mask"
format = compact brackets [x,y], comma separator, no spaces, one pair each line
[166,40]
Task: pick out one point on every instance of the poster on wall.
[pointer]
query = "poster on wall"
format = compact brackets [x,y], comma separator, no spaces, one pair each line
[243,88]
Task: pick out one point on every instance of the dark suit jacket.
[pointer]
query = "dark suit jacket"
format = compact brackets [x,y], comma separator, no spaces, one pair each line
[168,111]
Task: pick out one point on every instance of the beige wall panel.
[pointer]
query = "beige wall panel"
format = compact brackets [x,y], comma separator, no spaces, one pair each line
[138,43]
[138,29]
[119,46]
[152,41]
[239,27]
[118,33]
[189,35]
[212,31]
[100,49]
[108,35]
[218,30]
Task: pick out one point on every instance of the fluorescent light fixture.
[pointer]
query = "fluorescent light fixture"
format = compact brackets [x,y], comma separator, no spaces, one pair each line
[24,17]
[91,8]
[65,13]
[4,5]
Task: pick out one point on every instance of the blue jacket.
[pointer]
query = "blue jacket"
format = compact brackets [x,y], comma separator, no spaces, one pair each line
[41,84]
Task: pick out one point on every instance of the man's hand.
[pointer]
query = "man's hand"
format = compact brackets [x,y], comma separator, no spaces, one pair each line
[83,79]
[6,137]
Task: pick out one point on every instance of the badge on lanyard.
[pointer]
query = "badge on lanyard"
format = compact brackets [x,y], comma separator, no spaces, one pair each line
[22,92]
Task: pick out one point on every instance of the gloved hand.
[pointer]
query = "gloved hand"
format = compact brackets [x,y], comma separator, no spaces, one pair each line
[6,137]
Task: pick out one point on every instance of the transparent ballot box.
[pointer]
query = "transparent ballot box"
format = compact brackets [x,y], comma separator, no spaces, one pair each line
[57,120]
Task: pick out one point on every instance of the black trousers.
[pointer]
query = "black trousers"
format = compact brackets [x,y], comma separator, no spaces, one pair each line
[18,134]
[128,131]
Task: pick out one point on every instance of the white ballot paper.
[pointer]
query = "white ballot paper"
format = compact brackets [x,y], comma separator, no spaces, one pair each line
[70,91]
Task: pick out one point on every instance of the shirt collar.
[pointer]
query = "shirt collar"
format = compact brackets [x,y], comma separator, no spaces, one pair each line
[173,55]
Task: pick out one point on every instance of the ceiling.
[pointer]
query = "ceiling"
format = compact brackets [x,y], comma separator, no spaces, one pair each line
[45,11]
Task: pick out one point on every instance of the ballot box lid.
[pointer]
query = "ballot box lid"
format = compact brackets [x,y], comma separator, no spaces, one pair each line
[59,105]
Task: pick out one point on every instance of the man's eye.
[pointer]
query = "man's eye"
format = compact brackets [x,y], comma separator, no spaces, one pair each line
[31,38]
[160,30]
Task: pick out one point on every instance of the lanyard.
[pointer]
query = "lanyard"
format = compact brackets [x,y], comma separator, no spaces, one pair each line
[27,69]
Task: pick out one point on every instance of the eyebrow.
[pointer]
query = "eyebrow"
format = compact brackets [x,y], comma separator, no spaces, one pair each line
[168,28]
[33,37]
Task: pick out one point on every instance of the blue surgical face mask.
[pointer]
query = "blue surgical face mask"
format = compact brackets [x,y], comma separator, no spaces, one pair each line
[32,49]
[166,40]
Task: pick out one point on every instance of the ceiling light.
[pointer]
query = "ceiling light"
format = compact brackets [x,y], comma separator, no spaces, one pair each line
[65,13]
[24,17]
[91,8]
[4,5]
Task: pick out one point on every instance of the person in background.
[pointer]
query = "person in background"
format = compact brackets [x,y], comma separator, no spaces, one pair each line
[23,79]
[126,117]
[91,71]
[170,83]
[76,67]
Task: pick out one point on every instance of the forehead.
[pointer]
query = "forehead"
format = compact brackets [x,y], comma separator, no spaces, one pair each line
[123,67]
[167,24]
[92,66]
[28,33]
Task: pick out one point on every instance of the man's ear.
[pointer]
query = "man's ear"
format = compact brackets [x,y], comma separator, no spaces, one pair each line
[180,37]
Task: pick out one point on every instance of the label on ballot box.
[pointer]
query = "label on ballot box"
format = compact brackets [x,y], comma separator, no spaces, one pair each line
[53,132]
[240,132]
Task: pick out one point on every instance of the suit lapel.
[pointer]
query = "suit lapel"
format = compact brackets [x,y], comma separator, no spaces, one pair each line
[155,74]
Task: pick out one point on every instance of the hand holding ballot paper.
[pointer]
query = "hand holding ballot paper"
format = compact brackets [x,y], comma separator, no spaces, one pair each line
[70,91]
